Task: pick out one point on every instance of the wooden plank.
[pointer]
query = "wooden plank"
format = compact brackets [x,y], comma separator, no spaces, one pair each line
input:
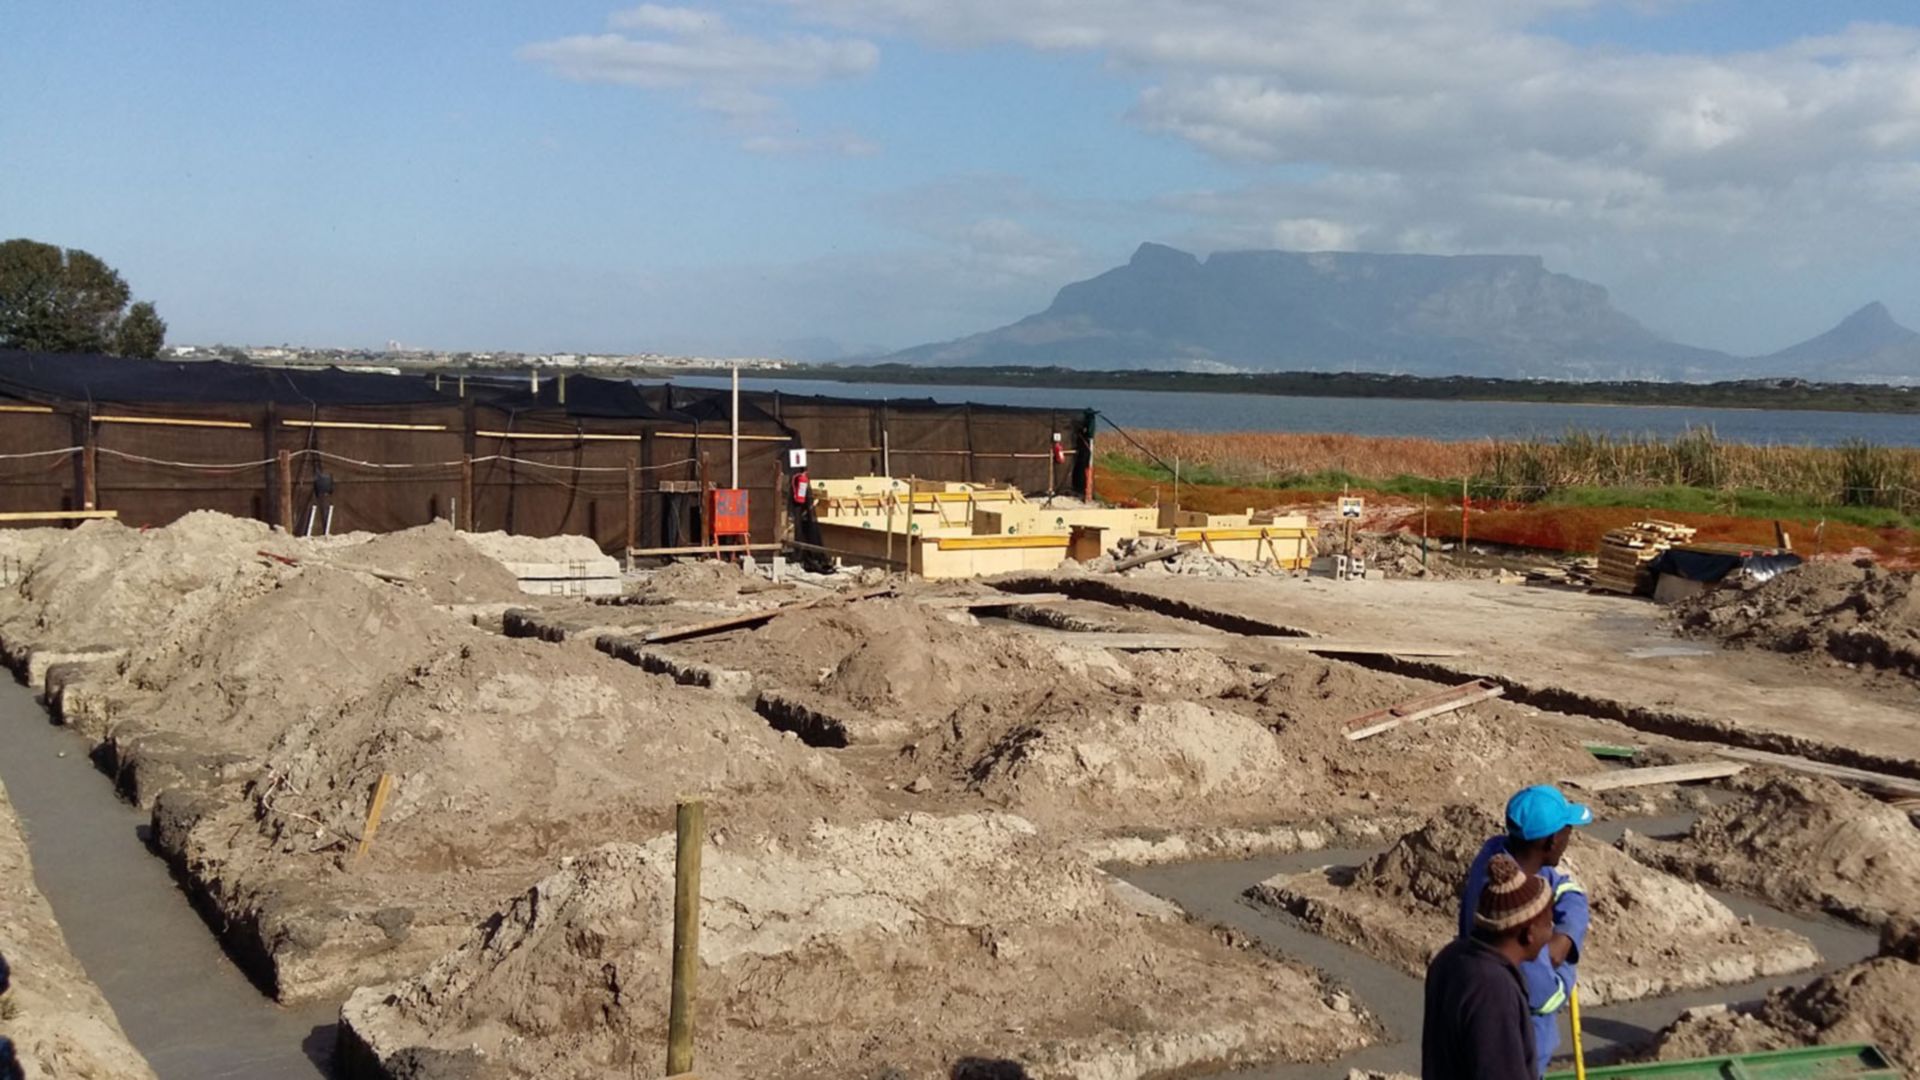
[171,421]
[367,831]
[705,549]
[357,425]
[58,515]
[1617,779]
[1367,725]
[751,618]
[1879,783]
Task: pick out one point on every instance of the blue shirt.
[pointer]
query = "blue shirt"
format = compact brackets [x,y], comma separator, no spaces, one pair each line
[1547,985]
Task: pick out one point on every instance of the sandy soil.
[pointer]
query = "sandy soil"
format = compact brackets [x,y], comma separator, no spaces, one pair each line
[1877,1001]
[1803,843]
[1582,652]
[55,1015]
[1651,934]
[1854,613]
[994,945]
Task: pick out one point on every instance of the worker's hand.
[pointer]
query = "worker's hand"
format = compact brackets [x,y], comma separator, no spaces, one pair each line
[1559,949]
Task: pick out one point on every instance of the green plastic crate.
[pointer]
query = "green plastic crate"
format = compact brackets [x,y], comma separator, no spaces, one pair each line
[1806,1063]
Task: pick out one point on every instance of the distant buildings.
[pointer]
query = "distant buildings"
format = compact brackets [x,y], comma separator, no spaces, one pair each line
[397,360]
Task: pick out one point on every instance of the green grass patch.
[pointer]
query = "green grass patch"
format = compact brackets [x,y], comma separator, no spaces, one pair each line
[1744,503]
[1326,480]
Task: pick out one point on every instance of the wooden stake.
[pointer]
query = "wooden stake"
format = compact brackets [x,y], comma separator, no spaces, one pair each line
[1463,514]
[690,829]
[285,460]
[380,792]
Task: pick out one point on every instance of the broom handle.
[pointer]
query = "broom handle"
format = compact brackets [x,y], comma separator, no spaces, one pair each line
[1579,1055]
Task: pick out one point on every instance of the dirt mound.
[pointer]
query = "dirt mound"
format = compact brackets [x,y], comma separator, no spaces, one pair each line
[501,752]
[1651,933]
[704,580]
[888,667]
[508,548]
[105,584]
[1804,842]
[1101,752]
[1876,1001]
[439,561]
[1854,612]
[896,948]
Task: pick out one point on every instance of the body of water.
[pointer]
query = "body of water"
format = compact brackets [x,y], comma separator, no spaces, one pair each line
[1450,420]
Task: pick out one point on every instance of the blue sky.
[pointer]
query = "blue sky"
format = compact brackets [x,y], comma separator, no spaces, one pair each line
[741,178]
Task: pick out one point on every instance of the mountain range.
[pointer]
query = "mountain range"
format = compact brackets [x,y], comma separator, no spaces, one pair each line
[1489,315]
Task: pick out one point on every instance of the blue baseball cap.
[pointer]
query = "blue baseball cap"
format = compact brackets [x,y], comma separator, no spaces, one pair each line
[1541,811]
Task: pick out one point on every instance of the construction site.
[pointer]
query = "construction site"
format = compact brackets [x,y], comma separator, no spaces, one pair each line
[592,730]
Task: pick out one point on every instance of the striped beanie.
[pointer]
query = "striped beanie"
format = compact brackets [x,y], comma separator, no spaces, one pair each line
[1512,896]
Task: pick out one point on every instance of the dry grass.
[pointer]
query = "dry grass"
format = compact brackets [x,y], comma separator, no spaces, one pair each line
[1856,474]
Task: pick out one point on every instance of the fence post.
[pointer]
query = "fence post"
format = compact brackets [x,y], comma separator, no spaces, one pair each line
[466,494]
[1465,509]
[285,461]
[89,473]
[690,830]
[633,509]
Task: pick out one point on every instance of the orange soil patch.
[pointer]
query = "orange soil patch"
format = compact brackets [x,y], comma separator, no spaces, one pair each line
[1570,529]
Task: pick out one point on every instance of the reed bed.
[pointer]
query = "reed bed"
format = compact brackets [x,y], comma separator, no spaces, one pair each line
[1857,473]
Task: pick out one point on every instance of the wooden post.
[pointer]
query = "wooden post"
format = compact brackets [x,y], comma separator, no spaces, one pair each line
[1465,509]
[461,385]
[633,508]
[466,494]
[690,828]
[1423,532]
[285,460]
[560,388]
[706,504]
[380,793]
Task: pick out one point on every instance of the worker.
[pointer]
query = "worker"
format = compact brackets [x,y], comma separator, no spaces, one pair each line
[1540,824]
[1477,1024]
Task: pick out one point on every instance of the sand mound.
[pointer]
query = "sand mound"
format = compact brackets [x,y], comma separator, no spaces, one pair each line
[886,948]
[443,565]
[1858,613]
[1103,752]
[1651,933]
[508,548]
[1876,1001]
[1803,842]
[704,580]
[105,584]
[502,753]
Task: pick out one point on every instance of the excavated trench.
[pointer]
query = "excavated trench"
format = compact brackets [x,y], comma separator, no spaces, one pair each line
[183,1002]
[1676,725]
[1215,892]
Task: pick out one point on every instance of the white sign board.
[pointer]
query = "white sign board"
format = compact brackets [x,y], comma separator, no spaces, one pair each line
[1350,506]
[796,459]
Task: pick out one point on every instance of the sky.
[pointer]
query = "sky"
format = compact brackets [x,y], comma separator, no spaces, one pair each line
[794,176]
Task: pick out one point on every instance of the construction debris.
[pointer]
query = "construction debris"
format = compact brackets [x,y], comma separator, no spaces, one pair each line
[1625,553]
[1367,725]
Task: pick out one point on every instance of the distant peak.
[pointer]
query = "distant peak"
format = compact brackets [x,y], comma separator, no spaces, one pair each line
[1151,254]
[1874,314]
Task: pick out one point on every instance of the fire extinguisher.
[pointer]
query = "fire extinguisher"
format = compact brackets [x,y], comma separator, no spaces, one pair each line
[800,488]
[1059,450]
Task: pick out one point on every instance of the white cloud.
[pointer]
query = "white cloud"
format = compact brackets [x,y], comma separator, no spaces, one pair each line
[726,72]
[1457,124]
[843,145]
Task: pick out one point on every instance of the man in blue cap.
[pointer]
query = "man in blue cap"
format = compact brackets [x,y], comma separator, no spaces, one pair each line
[1540,824]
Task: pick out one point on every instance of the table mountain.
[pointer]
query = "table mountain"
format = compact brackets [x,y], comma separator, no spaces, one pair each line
[1497,315]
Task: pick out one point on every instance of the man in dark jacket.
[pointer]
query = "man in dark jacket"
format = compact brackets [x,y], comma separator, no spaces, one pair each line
[1478,1024]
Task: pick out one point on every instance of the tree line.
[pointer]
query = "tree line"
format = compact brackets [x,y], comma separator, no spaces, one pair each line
[65,300]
